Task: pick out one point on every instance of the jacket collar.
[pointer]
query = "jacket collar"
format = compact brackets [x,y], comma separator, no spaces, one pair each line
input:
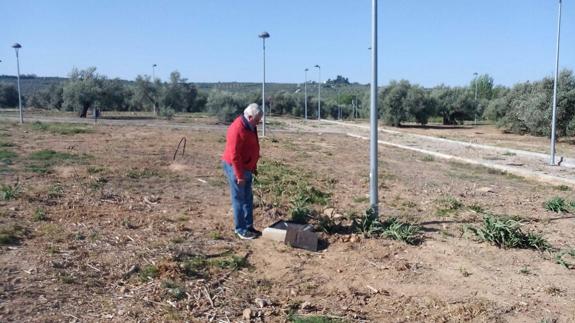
[247,123]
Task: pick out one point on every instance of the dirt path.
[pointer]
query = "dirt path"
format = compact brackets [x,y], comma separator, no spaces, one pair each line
[515,161]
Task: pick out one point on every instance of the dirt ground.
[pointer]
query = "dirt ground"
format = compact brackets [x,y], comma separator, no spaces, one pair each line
[113,229]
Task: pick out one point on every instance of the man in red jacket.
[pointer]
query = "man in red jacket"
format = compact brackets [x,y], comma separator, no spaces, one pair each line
[240,163]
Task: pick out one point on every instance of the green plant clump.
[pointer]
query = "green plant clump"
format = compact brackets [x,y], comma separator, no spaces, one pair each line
[10,192]
[392,228]
[507,233]
[557,205]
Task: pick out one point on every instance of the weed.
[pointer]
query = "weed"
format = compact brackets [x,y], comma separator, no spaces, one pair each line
[232,262]
[55,191]
[392,228]
[43,160]
[53,232]
[524,271]
[327,224]
[11,234]
[428,158]
[149,272]
[556,204]
[175,290]
[476,208]
[509,153]
[6,156]
[409,204]
[361,199]
[464,272]
[563,188]
[178,240]
[406,232]
[448,205]
[39,215]
[216,235]
[94,169]
[141,173]
[313,319]
[98,182]
[300,214]
[67,279]
[10,192]
[561,258]
[554,291]
[506,233]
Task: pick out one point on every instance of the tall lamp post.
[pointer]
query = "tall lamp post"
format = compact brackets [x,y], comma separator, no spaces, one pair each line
[263,36]
[373,114]
[318,92]
[16,47]
[554,115]
[153,80]
[305,93]
[475,122]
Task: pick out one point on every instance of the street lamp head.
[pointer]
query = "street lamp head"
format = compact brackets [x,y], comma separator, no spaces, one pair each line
[154,65]
[264,35]
[317,66]
[16,46]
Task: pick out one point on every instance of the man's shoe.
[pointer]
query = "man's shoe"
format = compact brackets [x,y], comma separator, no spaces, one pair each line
[247,235]
[255,232]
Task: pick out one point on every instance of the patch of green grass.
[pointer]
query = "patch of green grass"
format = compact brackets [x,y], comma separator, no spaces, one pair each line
[406,232]
[476,208]
[175,290]
[199,266]
[448,205]
[136,173]
[10,192]
[361,199]
[277,184]
[563,188]
[6,156]
[557,205]
[509,153]
[216,235]
[313,319]
[39,215]
[566,258]
[149,272]
[300,214]
[230,262]
[371,226]
[60,128]
[428,158]
[98,182]
[506,233]
[94,169]
[55,191]
[11,234]
[41,161]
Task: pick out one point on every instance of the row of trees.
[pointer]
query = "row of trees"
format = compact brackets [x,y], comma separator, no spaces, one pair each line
[86,90]
[524,108]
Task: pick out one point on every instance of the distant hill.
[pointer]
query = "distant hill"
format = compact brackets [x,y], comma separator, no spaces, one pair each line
[32,83]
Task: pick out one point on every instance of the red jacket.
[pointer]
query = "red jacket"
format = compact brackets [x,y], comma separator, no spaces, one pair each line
[242,147]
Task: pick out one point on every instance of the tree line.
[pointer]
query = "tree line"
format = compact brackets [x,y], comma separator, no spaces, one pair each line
[522,108]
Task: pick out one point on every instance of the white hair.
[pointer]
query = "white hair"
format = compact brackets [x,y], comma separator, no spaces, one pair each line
[253,110]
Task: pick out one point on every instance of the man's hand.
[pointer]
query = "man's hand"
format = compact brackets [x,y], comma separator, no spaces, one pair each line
[241,181]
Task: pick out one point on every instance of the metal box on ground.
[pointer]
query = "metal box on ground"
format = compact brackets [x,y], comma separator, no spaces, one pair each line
[294,234]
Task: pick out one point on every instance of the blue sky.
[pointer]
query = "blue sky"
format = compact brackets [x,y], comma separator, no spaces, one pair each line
[428,42]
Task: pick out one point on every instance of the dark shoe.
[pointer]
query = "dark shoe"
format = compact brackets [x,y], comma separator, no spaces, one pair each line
[255,232]
[247,235]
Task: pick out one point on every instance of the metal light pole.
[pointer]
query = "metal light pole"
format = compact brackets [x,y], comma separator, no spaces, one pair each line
[475,122]
[554,115]
[373,114]
[16,47]
[305,93]
[153,80]
[318,92]
[263,36]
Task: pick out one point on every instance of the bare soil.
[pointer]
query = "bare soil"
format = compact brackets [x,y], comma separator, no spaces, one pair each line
[130,235]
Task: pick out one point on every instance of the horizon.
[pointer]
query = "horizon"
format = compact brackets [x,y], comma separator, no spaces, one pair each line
[425,43]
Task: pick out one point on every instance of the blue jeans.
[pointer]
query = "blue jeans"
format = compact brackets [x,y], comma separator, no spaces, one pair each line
[242,199]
